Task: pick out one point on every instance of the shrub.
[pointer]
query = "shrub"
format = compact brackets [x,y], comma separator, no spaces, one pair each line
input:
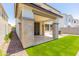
[8,37]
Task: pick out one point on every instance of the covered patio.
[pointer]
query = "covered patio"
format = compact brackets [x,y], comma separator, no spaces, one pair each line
[40,29]
[40,33]
[31,23]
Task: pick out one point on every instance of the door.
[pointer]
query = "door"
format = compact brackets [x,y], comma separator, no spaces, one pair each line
[36,28]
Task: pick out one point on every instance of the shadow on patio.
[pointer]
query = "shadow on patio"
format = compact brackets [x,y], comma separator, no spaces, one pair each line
[14,45]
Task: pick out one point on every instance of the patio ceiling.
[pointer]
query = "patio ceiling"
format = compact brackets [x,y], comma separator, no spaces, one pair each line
[39,18]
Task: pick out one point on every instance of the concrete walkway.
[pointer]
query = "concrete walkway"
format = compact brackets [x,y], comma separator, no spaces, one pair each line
[62,35]
[14,47]
[77,53]
[21,53]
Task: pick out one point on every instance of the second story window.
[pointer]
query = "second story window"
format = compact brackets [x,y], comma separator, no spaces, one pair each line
[74,21]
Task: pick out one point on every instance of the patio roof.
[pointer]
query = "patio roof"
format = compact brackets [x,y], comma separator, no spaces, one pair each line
[40,10]
[43,9]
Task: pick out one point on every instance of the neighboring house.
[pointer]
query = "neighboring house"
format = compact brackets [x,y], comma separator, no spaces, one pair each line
[30,22]
[3,24]
[68,25]
[68,21]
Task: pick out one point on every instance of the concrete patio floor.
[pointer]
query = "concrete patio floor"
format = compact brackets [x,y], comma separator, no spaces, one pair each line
[41,39]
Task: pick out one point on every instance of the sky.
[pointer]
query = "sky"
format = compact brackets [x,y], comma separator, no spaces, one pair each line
[68,8]
[9,8]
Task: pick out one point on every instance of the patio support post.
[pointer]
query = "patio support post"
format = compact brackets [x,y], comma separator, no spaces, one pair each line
[55,29]
[43,28]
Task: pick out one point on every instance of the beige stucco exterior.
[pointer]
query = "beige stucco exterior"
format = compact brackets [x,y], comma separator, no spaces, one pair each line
[26,16]
[3,24]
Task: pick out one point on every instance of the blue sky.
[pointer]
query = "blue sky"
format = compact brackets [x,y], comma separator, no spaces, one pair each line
[9,8]
[68,8]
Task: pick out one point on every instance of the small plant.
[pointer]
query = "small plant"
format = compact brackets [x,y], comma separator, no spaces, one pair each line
[8,37]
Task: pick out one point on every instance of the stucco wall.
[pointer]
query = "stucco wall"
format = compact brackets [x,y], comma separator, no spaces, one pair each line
[25,30]
[17,27]
[27,33]
[3,29]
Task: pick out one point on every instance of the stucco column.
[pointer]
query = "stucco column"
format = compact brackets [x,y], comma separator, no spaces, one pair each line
[43,28]
[55,30]
[27,28]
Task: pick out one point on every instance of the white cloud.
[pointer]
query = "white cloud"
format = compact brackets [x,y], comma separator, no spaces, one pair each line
[11,21]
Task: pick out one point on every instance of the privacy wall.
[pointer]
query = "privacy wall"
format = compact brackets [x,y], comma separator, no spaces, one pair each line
[70,30]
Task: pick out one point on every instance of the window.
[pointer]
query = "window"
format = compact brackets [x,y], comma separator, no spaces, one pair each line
[51,27]
[74,21]
[69,20]
[47,27]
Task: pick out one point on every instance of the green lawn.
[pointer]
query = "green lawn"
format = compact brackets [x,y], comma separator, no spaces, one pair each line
[66,46]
